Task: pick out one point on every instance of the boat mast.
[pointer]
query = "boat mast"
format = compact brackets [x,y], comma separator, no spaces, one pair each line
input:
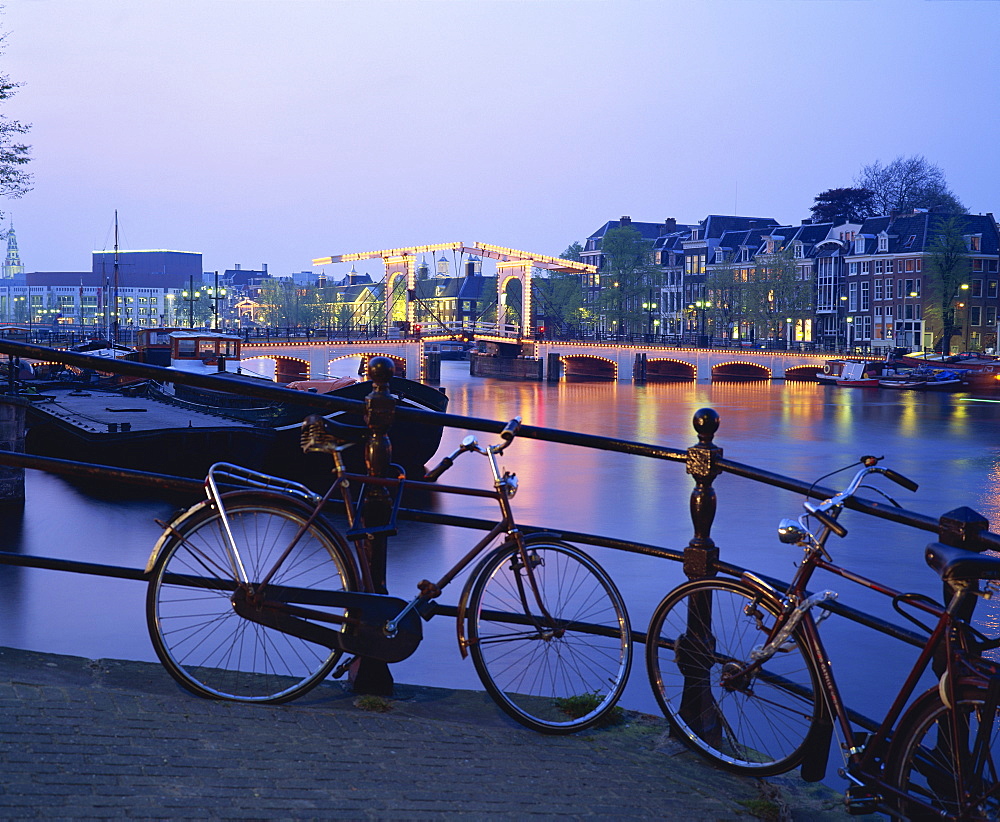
[113,331]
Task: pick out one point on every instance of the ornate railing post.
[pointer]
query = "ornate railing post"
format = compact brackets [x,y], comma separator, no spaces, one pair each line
[701,553]
[372,676]
[695,646]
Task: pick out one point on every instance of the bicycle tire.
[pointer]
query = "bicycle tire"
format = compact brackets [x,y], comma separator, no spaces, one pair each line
[553,681]
[198,636]
[921,765]
[760,726]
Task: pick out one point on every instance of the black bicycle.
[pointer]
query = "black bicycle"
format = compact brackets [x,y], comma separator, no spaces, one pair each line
[255,596]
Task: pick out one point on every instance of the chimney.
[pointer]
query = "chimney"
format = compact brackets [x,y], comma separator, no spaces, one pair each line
[625,220]
[670,224]
[264,268]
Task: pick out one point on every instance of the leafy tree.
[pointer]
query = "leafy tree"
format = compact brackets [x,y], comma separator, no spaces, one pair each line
[558,299]
[947,270]
[906,183]
[851,204]
[627,275]
[728,291]
[777,293]
[573,252]
[14,178]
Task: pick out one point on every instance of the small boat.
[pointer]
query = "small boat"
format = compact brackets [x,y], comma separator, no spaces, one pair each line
[857,375]
[986,378]
[921,379]
[969,360]
[830,372]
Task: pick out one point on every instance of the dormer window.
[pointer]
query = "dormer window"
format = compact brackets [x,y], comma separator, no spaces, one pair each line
[744,255]
[883,243]
[859,245]
[770,246]
[720,255]
[974,242]
[799,252]
[695,234]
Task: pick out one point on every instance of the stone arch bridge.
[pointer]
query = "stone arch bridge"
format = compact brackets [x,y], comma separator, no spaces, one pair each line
[615,361]
[635,362]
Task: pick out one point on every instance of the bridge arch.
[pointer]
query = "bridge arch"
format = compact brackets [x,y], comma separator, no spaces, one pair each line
[666,368]
[740,370]
[802,373]
[589,366]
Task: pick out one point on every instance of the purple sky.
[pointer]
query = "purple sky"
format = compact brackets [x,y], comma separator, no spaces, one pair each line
[281,131]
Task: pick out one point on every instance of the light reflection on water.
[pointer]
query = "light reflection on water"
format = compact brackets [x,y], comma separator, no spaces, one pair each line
[952,448]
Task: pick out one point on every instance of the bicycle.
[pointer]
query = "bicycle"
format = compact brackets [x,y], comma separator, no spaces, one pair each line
[254,596]
[740,671]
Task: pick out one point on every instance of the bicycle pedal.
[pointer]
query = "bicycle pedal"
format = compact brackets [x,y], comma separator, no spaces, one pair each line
[861,801]
[341,669]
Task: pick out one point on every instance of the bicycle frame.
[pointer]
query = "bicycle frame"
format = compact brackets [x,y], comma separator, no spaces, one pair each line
[948,641]
[388,612]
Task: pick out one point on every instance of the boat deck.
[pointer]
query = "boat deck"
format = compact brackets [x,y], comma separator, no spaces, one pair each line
[98,412]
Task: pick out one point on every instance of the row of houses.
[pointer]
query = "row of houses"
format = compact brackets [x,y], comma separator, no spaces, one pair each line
[870,283]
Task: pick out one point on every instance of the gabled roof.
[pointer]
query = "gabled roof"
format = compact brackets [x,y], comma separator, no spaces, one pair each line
[916,232]
[715,225]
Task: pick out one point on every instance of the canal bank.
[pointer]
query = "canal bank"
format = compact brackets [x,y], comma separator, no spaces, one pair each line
[119,740]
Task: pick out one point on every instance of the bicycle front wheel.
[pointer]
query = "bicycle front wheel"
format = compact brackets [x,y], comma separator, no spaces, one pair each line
[700,638]
[560,666]
[198,635]
[950,769]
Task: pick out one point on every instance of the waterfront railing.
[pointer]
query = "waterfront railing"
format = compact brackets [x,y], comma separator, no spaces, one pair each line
[704,462]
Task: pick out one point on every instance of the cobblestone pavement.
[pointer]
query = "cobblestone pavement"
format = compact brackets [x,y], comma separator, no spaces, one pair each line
[104,738]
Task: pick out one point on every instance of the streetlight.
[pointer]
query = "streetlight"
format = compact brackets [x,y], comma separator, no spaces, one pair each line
[190,296]
[702,306]
[788,331]
[965,331]
[849,321]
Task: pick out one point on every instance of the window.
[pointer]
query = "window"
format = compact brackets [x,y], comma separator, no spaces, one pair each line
[852,297]
[852,269]
[909,266]
[991,315]
[720,255]
[910,241]
[920,264]
[977,265]
[878,266]
[866,267]
[865,304]
[888,266]
[878,290]
[799,251]
[975,315]
[974,242]
[883,243]
[859,245]
[991,288]
[888,289]
[977,288]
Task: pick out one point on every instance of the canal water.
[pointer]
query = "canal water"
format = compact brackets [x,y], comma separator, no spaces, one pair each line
[949,444]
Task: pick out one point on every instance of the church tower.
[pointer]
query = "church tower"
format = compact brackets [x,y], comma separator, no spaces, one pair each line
[12,263]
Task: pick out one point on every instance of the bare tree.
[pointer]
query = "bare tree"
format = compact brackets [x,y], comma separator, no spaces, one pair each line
[948,268]
[14,155]
[907,183]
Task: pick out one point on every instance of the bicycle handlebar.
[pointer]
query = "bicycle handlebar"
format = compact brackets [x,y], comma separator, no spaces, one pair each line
[470,444]
[836,501]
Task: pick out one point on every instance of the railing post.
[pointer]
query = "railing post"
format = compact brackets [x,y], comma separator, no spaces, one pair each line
[372,676]
[701,553]
[692,647]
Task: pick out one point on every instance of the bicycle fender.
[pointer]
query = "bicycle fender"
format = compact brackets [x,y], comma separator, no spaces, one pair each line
[546,537]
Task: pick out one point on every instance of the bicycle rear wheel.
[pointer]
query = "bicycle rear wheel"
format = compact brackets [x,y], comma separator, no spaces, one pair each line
[926,758]
[757,724]
[555,676]
[198,636]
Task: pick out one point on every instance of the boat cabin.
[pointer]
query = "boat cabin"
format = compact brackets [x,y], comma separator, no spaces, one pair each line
[204,351]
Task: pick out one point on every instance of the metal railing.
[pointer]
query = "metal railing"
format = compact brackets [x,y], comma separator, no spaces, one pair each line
[704,461]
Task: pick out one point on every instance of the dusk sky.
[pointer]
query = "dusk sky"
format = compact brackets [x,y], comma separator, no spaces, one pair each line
[277,132]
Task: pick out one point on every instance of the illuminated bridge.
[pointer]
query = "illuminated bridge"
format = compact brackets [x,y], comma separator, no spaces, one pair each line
[547,359]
